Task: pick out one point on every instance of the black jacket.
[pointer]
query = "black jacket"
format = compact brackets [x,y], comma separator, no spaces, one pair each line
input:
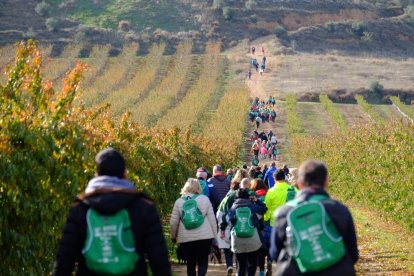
[149,240]
[343,221]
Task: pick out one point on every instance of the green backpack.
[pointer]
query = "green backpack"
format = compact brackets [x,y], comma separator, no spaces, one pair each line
[109,247]
[255,162]
[244,227]
[192,217]
[291,193]
[312,239]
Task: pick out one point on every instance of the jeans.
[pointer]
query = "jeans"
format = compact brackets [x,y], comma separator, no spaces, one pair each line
[246,262]
[196,254]
[228,255]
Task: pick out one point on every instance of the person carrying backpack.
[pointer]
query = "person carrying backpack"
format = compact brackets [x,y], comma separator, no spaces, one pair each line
[201,177]
[320,219]
[276,196]
[268,178]
[193,226]
[111,210]
[245,240]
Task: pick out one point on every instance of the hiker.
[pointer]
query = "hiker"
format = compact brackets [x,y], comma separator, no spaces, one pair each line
[276,196]
[111,205]
[313,198]
[263,136]
[220,182]
[260,189]
[255,161]
[258,173]
[251,172]
[253,50]
[226,203]
[245,240]
[230,174]
[258,121]
[268,178]
[254,135]
[286,170]
[273,140]
[201,175]
[273,115]
[263,151]
[256,148]
[264,60]
[263,50]
[193,233]
[274,152]
[249,74]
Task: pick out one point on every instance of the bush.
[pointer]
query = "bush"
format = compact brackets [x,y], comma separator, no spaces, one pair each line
[358,28]
[281,32]
[253,18]
[228,13]
[30,33]
[330,26]
[218,4]
[124,25]
[52,24]
[376,88]
[250,4]
[410,11]
[43,9]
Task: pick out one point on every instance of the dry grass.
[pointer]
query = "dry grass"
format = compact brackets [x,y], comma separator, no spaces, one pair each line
[316,73]
[55,68]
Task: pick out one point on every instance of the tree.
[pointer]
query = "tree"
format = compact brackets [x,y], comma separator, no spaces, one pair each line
[43,9]
[218,4]
[52,24]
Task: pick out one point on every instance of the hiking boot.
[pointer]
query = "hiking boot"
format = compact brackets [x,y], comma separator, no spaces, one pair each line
[229,271]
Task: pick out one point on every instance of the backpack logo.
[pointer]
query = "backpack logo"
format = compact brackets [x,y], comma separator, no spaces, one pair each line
[192,217]
[244,227]
[110,247]
[312,239]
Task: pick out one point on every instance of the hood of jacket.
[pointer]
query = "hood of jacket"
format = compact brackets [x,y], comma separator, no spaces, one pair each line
[220,177]
[241,202]
[108,195]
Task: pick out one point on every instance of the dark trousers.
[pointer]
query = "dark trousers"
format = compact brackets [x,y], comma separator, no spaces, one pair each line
[261,258]
[246,262]
[228,255]
[196,254]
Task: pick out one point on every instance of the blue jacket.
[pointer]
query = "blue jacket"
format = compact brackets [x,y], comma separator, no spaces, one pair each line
[268,178]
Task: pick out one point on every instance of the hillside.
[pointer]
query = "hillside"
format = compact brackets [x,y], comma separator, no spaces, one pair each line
[115,22]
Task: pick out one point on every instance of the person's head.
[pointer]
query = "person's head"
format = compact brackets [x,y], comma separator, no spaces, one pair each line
[242,193]
[312,173]
[264,166]
[245,183]
[293,176]
[258,169]
[251,172]
[110,162]
[191,187]
[258,184]
[201,173]
[273,164]
[279,175]
[244,166]
[217,169]
[230,172]
[238,177]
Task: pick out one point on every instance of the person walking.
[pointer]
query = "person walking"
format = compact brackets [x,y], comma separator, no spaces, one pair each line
[276,196]
[268,178]
[110,210]
[245,241]
[334,249]
[260,189]
[220,182]
[249,74]
[193,226]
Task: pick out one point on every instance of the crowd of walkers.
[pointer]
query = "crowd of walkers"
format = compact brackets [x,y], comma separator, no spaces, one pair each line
[262,111]
[255,64]
[255,216]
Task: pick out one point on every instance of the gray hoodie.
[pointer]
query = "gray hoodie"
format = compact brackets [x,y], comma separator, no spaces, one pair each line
[108,182]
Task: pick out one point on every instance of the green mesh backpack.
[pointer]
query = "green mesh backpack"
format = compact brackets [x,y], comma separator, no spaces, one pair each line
[191,217]
[109,247]
[312,239]
[244,227]
[291,193]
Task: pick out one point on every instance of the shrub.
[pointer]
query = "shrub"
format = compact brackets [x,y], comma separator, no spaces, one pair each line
[358,28]
[253,18]
[410,11]
[43,9]
[52,24]
[376,88]
[30,33]
[281,32]
[124,25]
[228,13]
[250,4]
[330,26]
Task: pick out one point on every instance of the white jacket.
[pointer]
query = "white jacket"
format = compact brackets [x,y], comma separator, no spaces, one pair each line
[208,230]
